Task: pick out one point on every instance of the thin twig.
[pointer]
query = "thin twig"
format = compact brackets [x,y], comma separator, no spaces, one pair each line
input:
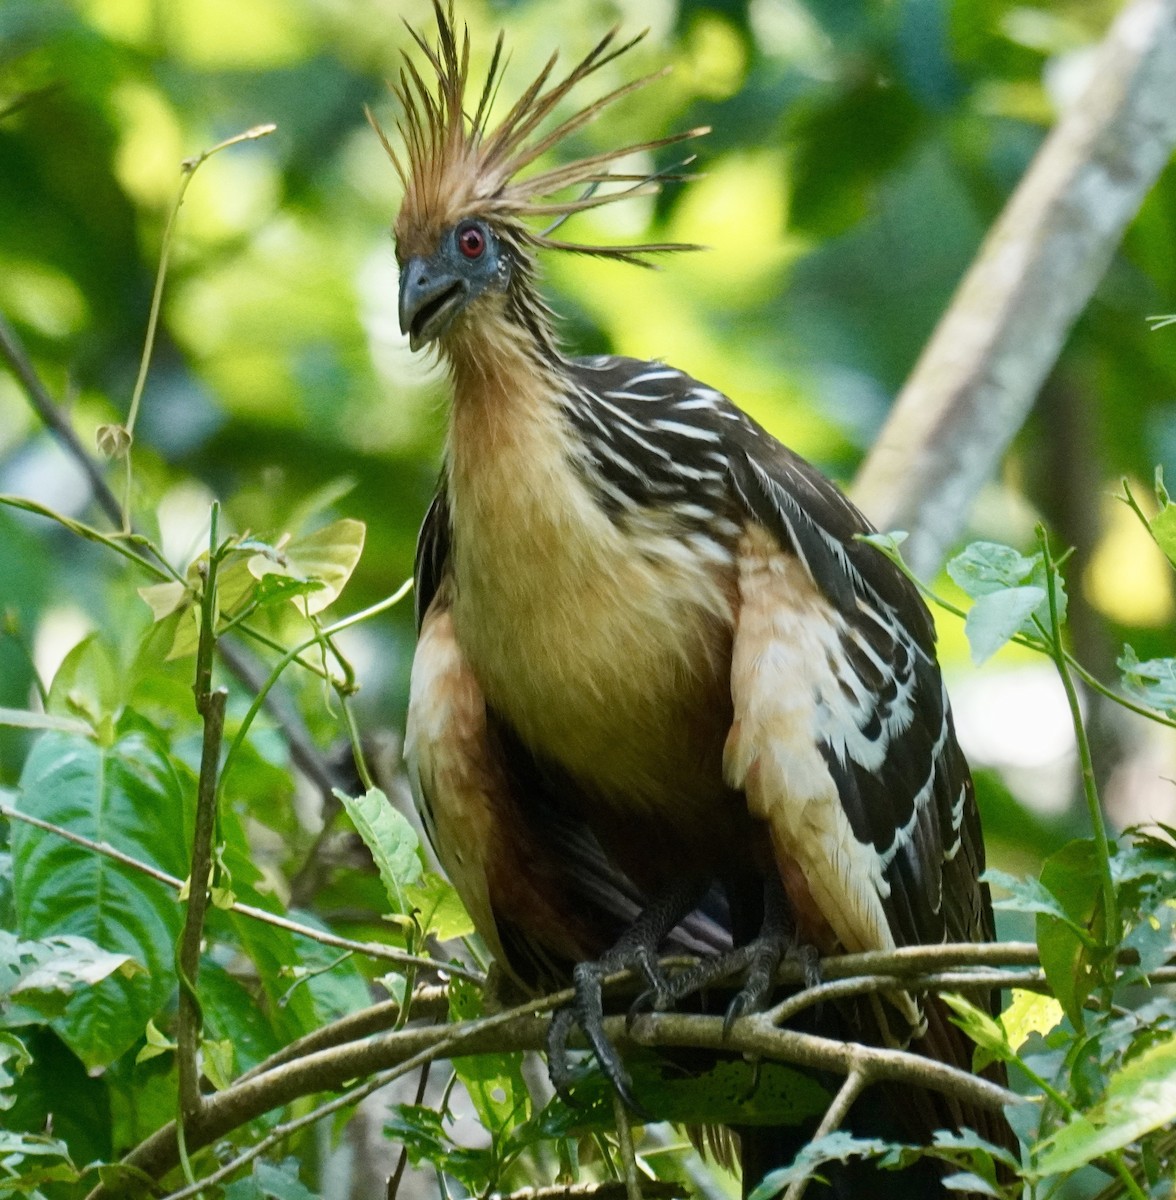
[280,1132]
[855,1083]
[1112,931]
[625,1145]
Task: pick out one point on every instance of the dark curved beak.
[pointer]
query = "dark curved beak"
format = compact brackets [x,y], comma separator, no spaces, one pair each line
[431,295]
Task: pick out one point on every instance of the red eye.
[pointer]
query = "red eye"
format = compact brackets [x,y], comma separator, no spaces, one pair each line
[471,241]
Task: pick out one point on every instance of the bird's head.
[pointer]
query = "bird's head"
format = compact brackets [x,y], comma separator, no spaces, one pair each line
[464,236]
[467,260]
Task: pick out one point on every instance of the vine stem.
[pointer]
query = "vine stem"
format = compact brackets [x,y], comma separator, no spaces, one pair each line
[188,169]
[1113,930]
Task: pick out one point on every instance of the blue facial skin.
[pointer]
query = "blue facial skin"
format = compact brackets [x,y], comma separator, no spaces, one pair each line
[468,261]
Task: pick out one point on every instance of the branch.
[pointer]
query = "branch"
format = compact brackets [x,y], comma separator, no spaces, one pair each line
[212,706]
[977,378]
[855,1083]
[525,1027]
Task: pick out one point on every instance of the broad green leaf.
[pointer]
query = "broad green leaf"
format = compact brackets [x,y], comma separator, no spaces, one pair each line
[127,795]
[987,568]
[391,839]
[20,718]
[38,977]
[327,556]
[1026,895]
[233,1014]
[833,1147]
[1140,1097]
[442,913]
[982,568]
[14,1058]
[494,1081]
[217,1062]
[271,1181]
[1029,1012]
[166,598]
[1073,963]
[998,617]
[87,685]
[1153,681]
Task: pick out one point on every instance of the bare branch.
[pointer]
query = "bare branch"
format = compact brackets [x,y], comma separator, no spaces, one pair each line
[855,1083]
[525,1028]
[980,373]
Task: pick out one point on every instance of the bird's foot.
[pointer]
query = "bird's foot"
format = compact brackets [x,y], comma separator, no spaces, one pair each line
[636,951]
[757,961]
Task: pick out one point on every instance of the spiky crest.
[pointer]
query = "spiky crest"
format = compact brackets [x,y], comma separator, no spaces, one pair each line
[455,166]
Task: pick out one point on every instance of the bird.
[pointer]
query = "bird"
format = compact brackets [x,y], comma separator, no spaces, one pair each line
[666,694]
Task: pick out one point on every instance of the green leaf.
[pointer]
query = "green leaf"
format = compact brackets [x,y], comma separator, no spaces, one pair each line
[38,977]
[87,685]
[998,617]
[14,1058]
[1029,1012]
[422,1133]
[391,839]
[29,1161]
[1027,896]
[217,1062]
[442,913]
[1163,524]
[20,718]
[982,568]
[271,1181]
[833,1147]
[127,795]
[1072,956]
[1153,681]
[494,1081]
[1140,1097]
[988,568]
[980,1026]
[327,557]
[155,1044]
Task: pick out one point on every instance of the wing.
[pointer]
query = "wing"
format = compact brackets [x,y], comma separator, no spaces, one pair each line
[539,888]
[843,743]
[843,739]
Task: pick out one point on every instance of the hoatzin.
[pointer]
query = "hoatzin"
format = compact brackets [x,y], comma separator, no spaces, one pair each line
[655,661]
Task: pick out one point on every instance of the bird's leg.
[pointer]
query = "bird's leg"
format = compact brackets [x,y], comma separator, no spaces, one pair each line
[636,950]
[758,961]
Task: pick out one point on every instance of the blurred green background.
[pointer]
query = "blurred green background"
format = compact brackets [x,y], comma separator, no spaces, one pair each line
[859,151]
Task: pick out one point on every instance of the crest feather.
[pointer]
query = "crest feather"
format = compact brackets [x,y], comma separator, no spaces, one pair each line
[454,165]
